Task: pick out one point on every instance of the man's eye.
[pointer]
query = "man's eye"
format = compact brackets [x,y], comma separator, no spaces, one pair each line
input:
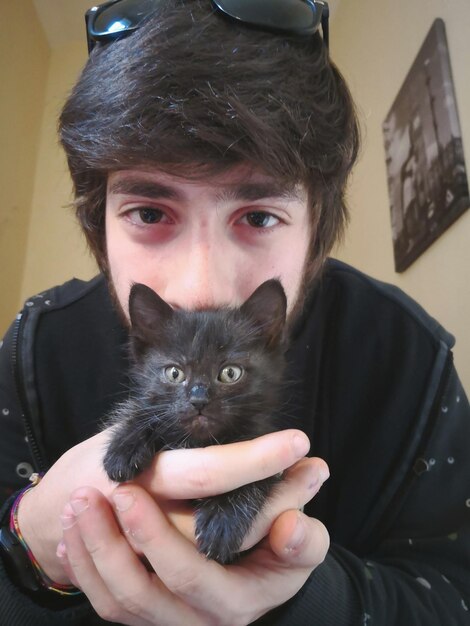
[150,216]
[147,216]
[260,219]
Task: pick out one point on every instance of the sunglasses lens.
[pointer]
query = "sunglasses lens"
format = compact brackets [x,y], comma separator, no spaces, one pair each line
[294,16]
[123,15]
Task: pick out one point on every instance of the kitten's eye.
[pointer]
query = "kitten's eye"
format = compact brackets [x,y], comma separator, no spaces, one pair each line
[174,374]
[230,374]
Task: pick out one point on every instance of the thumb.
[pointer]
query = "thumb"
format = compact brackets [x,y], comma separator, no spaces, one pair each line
[299,540]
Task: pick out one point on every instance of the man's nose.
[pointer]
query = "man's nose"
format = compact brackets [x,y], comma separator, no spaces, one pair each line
[206,278]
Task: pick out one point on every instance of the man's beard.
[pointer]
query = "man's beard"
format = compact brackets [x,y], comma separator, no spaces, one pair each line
[123,318]
[311,275]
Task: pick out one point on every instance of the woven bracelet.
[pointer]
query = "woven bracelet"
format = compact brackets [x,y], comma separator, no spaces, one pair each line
[43,578]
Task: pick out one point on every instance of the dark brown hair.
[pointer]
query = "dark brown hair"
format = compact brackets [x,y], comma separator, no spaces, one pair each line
[195,94]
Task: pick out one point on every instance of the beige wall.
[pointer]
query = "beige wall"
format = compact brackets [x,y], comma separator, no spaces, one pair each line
[56,249]
[375,43]
[24,61]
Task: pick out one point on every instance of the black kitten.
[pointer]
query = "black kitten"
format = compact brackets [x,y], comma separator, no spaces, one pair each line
[202,378]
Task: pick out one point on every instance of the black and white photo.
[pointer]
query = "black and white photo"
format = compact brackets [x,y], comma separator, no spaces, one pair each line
[427,179]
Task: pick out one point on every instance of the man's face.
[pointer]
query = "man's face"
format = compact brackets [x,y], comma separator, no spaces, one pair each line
[204,244]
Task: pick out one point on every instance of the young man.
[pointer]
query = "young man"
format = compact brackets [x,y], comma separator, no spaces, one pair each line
[209,155]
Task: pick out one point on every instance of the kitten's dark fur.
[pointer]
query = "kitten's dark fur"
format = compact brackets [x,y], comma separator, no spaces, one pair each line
[165,411]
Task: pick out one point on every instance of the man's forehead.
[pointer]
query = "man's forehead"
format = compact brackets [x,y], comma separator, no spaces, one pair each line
[235,184]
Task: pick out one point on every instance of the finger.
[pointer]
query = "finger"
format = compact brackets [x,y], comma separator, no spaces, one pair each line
[246,590]
[300,484]
[134,591]
[298,540]
[295,546]
[181,515]
[84,573]
[199,582]
[202,472]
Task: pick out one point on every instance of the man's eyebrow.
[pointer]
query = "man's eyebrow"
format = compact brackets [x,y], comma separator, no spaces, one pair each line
[245,191]
[146,188]
[257,191]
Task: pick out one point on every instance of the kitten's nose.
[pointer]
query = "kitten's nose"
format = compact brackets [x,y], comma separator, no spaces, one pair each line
[198,396]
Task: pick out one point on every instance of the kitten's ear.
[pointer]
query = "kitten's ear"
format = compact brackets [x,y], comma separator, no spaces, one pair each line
[147,312]
[267,305]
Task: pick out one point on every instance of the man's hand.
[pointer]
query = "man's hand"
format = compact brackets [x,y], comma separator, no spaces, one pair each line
[102,541]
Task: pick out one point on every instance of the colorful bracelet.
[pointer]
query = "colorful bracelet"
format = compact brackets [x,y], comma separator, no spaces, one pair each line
[43,578]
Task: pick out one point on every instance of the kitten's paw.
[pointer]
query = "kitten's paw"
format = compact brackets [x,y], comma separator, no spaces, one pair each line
[218,534]
[120,467]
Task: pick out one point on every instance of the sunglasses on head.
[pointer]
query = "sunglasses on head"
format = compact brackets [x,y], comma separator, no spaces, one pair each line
[118,18]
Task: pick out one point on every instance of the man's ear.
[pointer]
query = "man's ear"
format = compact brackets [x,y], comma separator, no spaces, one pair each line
[148,314]
[267,306]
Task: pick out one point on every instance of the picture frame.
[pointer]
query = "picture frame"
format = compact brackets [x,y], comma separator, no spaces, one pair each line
[426,174]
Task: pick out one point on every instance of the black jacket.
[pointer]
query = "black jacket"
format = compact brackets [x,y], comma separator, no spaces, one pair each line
[376,392]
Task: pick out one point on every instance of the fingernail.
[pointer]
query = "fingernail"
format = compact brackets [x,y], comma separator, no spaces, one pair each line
[298,536]
[79,505]
[123,501]
[301,445]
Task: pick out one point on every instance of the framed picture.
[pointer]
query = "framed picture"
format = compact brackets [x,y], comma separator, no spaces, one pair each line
[427,180]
